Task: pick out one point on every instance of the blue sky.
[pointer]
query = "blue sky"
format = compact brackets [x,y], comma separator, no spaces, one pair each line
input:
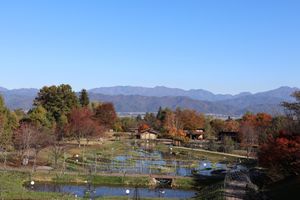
[223,46]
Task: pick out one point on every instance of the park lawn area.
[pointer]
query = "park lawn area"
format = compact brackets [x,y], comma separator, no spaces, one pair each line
[74,178]
[204,155]
[111,149]
[141,181]
[12,187]
[108,149]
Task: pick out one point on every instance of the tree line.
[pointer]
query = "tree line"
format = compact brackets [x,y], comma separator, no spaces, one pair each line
[57,114]
[277,138]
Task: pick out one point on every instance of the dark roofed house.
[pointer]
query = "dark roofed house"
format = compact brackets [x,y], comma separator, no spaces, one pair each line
[230,134]
[197,134]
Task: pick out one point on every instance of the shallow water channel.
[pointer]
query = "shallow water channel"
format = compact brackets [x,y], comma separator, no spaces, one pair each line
[157,162]
[102,191]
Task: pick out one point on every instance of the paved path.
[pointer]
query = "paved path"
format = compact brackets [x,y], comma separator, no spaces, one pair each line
[236,184]
[235,190]
[215,152]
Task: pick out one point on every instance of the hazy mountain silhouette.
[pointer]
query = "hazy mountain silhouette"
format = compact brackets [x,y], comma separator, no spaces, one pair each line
[161,91]
[143,99]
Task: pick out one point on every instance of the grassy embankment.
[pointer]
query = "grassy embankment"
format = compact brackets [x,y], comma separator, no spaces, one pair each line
[12,184]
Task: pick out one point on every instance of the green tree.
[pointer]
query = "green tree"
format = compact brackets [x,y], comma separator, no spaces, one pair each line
[39,117]
[209,132]
[8,122]
[217,126]
[293,113]
[160,114]
[293,108]
[128,123]
[139,118]
[151,120]
[84,98]
[20,114]
[57,100]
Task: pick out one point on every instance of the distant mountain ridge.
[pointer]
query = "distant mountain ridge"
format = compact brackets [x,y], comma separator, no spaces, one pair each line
[19,98]
[199,94]
[137,103]
[161,91]
[143,99]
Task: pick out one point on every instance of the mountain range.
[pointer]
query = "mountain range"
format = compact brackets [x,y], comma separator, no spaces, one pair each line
[143,99]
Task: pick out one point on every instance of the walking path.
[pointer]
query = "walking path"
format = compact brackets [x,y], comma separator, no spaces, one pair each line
[215,152]
[236,185]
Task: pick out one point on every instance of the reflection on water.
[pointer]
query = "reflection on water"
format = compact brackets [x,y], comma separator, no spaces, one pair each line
[100,191]
[157,162]
[146,159]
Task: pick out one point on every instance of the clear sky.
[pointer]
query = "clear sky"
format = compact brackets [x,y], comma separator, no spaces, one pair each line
[225,46]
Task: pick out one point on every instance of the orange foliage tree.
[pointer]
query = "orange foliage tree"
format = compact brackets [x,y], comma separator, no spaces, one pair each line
[189,119]
[231,126]
[143,127]
[260,122]
[281,153]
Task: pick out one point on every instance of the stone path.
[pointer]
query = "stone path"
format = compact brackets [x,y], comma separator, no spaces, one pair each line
[236,184]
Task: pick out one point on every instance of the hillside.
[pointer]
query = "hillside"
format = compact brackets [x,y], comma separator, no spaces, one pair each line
[136,103]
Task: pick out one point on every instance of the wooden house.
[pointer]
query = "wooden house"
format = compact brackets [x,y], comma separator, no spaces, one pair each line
[148,134]
[197,134]
[230,134]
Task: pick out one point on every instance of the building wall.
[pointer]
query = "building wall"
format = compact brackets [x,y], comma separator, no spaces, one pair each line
[148,136]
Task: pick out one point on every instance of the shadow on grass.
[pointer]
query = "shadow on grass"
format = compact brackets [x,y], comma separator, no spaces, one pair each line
[208,187]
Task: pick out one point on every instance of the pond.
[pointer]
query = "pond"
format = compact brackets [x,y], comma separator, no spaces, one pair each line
[103,191]
[158,162]
[140,160]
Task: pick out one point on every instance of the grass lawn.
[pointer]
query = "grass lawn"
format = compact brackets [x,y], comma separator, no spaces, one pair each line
[12,185]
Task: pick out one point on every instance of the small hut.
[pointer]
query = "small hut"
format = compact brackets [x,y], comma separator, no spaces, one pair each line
[197,134]
[148,134]
[229,134]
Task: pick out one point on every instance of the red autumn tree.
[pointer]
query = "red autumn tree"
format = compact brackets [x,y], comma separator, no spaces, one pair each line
[281,153]
[249,118]
[263,120]
[81,124]
[260,120]
[105,115]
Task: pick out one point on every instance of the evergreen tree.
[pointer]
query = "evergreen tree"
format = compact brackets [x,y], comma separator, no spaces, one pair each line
[39,117]
[57,100]
[159,115]
[84,98]
[8,122]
